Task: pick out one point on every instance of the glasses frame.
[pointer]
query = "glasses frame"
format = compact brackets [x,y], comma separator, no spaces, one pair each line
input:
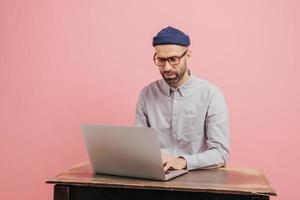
[169,58]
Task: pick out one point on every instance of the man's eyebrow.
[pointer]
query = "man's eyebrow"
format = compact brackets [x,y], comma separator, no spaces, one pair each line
[167,57]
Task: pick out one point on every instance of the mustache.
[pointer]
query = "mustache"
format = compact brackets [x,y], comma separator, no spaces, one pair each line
[169,73]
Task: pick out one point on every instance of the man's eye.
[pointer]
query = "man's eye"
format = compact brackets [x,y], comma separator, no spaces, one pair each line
[160,59]
[173,59]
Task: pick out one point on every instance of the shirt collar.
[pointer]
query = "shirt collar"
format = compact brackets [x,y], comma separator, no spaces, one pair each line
[167,89]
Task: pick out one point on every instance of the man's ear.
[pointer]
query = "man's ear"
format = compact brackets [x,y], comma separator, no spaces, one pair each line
[189,53]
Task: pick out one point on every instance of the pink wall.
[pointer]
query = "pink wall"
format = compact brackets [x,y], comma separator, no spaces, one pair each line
[63,63]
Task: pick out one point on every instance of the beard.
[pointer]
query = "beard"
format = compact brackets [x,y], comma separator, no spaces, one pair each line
[173,77]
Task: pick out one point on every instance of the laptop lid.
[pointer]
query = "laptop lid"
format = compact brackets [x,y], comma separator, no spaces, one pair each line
[124,151]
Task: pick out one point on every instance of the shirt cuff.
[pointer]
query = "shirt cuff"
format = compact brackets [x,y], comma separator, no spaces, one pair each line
[190,162]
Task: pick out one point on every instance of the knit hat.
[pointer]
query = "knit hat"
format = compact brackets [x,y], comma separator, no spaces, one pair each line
[171,35]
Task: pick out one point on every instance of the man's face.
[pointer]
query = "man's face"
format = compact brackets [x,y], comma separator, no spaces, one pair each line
[173,74]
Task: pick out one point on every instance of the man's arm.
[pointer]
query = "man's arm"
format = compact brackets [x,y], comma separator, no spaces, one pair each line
[217,132]
[141,119]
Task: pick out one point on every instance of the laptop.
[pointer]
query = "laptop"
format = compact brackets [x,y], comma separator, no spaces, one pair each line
[126,151]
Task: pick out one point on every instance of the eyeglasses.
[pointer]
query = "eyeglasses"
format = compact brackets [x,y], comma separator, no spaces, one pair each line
[174,60]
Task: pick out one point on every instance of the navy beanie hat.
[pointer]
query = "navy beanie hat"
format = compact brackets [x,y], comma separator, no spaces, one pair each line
[171,35]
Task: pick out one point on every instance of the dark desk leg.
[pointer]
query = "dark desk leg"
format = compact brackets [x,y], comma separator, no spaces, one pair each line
[61,192]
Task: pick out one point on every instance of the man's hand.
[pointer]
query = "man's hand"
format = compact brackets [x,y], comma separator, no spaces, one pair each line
[172,162]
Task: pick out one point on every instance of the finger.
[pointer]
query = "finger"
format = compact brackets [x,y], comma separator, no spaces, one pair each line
[165,159]
[167,166]
[164,163]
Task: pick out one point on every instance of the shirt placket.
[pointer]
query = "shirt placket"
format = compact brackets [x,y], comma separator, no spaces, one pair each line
[175,104]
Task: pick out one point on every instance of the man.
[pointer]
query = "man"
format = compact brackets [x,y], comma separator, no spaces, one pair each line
[189,114]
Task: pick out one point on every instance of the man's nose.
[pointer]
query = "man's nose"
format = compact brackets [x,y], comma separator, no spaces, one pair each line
[167,66]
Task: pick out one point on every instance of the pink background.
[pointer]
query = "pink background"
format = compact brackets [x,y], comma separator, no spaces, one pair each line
[68,62]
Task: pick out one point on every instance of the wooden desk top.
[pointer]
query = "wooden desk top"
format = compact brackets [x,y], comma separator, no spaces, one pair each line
[222,180]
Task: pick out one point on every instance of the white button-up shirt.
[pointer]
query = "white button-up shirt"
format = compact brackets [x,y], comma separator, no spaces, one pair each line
[191,121]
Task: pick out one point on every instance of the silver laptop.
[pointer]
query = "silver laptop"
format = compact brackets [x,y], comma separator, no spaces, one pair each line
[126,151]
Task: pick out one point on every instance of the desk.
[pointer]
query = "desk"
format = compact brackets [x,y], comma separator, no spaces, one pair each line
[79,182]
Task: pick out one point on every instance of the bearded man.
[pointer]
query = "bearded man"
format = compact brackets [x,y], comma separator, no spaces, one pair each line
[189,113]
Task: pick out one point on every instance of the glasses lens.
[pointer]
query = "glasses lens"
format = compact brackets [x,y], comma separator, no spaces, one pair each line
[160,61]
[174,60]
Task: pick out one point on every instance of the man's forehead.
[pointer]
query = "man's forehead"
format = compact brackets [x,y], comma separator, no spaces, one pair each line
[169,49]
